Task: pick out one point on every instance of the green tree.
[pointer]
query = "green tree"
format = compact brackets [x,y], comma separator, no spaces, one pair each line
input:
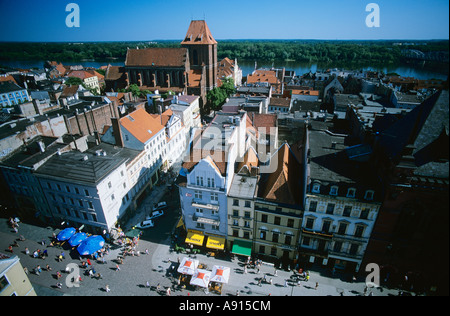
[74,81]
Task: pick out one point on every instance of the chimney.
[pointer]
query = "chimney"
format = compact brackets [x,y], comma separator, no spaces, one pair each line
[117,132]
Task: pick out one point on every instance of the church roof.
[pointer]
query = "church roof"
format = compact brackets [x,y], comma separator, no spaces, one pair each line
[198,33]
[156,57]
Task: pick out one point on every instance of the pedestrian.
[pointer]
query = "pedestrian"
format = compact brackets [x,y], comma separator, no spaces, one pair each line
[237,292]
[285,283]
[158,287]
[168,291]
[259,282]
[117,267]
[245,269]
[47,267]
[58,285]
[107,289]
[25,270]
[147,285]
[58,275]
[275,272]
[317,285]
[27,251]
[10,249]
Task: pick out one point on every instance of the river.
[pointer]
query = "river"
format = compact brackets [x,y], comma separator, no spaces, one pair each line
[404,70]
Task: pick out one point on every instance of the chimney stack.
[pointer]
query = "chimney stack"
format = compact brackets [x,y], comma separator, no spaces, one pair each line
[117,132]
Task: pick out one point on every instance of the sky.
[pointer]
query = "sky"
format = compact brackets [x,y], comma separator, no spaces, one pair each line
[114,20]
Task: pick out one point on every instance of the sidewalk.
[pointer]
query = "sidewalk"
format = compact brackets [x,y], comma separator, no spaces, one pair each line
[247,283]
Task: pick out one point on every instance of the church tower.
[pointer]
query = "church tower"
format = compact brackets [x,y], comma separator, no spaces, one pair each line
[202,51]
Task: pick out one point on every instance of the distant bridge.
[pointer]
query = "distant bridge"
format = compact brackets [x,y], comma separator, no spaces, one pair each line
[440,56]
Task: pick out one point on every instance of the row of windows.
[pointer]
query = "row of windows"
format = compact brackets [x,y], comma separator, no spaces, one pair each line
[276,237]
[331,207]
[76,213]
[341,229]
[351,192]
[277,220]
[338,246]
[210,182]
[214,197]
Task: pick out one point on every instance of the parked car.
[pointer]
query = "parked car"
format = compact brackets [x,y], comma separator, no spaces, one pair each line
[155,214]
[160,206]
[145,224]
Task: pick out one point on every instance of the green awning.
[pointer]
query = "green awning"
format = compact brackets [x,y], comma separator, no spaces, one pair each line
[242,247]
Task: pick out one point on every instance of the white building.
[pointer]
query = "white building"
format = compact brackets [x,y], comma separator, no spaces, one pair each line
[175,136]
[93,188]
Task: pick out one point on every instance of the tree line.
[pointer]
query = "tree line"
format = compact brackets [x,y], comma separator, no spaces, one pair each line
[263,50]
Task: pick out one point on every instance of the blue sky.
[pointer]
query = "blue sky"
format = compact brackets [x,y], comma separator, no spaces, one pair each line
[113,20]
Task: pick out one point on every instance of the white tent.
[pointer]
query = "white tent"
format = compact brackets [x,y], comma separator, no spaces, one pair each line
[201,278]
[220,274]
[188,266]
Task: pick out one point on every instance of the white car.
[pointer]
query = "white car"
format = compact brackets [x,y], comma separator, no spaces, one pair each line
[155,214]
[160,206]
[145,224]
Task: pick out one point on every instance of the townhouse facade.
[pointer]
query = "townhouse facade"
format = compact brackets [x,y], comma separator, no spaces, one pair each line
[341,203]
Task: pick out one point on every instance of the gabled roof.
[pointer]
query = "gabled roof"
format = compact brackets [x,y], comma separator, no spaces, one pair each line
[198,33]
[156,57]
[284,184]
[142,125]
[250,160]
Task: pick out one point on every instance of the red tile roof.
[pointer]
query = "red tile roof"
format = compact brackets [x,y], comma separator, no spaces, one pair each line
[156,57]
[199,33]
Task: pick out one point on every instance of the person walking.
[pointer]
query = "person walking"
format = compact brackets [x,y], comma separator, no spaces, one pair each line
[107,289]
[168,291]
[317,286]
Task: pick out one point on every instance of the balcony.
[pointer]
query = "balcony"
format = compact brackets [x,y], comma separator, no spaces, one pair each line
[204,205]
[346,254]
[206,220]
[317,234]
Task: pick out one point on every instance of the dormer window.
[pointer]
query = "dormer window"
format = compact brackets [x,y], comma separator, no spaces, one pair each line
[369,195]
[351,192]
[316,188]
[334,190]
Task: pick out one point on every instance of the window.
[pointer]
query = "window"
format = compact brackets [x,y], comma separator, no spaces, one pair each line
[264,218]
[309,223]
[235,233]
[351,192]
[313,206]
[326,226]
[369,195]
[211,183]
[290,222]
[214,197]
[334,190]
[277,220]
[235,213]
[316,188]
[246,224]
[275,237]
[288,239]
[306,241]
[262,235]
[364,213]
[198,195]
[359,231]
[353,249]
[86,192]
[248,204]
[330,208]
[347,211]
[235,202]
[342,228]
[337,246]
[3,283]
[247,214]
[199,181]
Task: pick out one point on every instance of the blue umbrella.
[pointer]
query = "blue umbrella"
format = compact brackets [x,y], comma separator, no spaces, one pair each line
[66,234]
[91,245]
[76,239]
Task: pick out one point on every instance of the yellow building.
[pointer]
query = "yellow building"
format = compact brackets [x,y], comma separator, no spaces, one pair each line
[13,280]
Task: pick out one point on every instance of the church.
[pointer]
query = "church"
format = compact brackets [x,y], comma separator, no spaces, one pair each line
[190,69]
